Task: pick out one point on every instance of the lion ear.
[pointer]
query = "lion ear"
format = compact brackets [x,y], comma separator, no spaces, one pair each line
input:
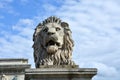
[64,24]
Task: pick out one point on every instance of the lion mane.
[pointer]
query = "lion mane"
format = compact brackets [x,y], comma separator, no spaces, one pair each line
[63,56]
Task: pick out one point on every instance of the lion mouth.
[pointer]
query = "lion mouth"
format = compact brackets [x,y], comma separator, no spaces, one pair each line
[52,43]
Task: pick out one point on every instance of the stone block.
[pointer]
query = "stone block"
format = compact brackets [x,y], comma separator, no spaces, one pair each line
[60,73]
[13,69]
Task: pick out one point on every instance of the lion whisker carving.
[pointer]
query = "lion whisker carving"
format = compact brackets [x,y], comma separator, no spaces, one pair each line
[53,44]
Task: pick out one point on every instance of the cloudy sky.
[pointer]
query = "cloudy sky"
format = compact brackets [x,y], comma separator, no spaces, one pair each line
[95,25]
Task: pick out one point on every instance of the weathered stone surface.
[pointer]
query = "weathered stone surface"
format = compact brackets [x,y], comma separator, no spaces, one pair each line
[53,44]
[60,73]
[13,61]
[13,69]
[60,66]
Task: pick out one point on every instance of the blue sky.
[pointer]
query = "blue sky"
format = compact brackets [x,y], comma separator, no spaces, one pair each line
[95,25]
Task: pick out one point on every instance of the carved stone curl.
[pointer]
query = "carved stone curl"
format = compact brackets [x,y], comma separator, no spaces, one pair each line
[53,44]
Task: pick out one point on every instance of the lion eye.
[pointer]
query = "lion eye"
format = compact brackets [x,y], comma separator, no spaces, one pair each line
[57,29]
[45,30]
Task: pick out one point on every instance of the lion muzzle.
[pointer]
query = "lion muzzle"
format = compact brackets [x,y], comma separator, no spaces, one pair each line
[52,49]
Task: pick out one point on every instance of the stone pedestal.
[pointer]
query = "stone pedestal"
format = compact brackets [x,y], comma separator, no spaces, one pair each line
[60,74]
[13,69]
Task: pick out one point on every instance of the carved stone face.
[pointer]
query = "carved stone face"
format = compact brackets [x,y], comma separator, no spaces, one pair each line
[53,37]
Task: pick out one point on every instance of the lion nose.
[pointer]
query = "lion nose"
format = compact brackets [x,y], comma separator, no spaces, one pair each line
[50,33]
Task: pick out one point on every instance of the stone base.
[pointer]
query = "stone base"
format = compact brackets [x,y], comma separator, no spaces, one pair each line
[13,69]
[60,74]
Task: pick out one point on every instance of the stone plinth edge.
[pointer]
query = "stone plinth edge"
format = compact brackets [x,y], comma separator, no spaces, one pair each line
[60,73]
[13,66]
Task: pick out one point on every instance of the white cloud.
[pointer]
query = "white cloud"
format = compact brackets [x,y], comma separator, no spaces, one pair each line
[104,71]
[19,44]
[7,7]
[51,7]
[25,27]
[4,3]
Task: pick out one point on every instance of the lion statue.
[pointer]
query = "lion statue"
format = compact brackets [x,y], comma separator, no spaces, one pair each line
[53,44]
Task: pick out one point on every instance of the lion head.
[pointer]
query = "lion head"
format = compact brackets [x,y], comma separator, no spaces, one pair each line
[53,44]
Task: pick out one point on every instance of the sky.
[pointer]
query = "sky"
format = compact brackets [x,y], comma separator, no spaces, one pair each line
[95,26]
